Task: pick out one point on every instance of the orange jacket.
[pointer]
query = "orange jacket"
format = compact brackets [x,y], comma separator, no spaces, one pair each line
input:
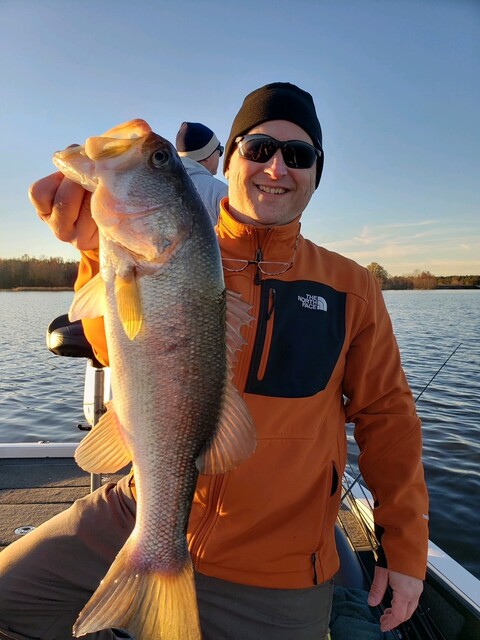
[320,353]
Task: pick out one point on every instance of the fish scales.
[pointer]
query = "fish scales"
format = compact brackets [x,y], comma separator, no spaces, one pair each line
[171,330]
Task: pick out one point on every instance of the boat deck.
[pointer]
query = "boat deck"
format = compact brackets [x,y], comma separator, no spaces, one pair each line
[32,490]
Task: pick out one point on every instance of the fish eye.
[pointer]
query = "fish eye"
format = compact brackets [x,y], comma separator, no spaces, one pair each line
[159,158]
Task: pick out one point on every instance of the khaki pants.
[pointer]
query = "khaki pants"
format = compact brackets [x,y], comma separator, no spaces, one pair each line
[47,577]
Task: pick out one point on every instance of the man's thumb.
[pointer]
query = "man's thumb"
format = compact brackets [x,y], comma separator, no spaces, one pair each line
[379,586]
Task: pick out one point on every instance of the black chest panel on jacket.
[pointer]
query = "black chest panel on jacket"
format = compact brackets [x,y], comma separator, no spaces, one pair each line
[300,334]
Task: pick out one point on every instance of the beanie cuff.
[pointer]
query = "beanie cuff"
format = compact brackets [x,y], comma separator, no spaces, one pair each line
[204,152]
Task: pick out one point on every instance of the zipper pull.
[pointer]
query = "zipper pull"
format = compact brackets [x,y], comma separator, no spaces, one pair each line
[258,258]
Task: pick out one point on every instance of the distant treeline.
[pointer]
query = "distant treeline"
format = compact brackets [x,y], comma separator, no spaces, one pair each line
[53,273]
[422,280]
[37,273]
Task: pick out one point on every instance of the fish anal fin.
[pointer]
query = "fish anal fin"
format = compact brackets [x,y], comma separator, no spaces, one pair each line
[235,438]
[129,305]
[89,301]
[149,605]
[103,449]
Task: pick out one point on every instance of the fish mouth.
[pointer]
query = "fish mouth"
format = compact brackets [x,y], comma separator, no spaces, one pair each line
[102,148]
[117,140]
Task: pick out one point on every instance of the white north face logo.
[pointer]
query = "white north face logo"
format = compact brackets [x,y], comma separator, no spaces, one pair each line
[313,302]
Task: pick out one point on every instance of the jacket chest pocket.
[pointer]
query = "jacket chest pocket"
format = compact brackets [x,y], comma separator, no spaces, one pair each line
[300,334]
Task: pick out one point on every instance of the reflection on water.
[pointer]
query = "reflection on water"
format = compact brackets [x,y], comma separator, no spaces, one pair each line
[41,394]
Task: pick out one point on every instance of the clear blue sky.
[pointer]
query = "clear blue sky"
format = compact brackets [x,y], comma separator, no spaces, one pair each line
[396,84]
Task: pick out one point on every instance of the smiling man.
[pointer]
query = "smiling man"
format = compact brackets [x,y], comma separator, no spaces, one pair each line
[320,352]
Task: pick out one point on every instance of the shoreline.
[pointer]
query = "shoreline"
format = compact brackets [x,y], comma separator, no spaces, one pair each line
[17,289]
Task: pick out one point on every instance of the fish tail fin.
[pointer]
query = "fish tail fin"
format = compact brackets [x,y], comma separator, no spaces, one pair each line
[150,605]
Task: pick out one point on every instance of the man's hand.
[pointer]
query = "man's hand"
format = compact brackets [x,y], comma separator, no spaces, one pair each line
[406,594]
[65,207]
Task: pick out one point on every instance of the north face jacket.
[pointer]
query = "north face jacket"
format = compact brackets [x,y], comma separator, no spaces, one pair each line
[320,353]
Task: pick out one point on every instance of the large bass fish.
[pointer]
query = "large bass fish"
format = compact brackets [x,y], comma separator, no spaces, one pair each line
[171,342]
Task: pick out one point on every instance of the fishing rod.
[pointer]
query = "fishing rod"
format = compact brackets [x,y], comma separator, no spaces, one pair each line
[438,371]
[421,625]
[357,478]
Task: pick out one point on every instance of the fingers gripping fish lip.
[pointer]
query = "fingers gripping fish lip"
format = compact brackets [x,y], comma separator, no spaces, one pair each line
[74,163]
[78,164]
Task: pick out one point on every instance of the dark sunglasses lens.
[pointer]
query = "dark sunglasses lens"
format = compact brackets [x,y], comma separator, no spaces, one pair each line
[296,154]
[258,150]
[220,150]
[299,155]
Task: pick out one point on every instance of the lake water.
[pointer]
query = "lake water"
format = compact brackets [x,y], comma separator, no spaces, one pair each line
[41,394]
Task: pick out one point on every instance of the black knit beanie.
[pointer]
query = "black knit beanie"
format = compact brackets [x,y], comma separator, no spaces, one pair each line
[277,101]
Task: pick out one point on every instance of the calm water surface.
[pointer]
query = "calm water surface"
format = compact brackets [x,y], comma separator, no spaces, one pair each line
[41,394]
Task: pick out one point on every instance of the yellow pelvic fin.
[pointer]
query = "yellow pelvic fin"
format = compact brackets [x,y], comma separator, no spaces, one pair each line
[103,449]
[129,305]
[152,606]
[235,439]
[89,301]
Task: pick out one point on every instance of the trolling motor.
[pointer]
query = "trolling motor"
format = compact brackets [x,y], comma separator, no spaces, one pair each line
[65,338]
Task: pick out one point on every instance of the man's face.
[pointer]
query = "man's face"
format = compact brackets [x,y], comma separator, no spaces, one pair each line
[270,193]
[211,163]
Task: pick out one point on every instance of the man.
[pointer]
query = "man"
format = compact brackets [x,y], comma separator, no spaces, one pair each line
[200,151]
[262,536]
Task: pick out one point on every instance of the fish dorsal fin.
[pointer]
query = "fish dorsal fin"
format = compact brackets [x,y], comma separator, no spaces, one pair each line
[103,449]
[129,305]
[89,301]
[235,439]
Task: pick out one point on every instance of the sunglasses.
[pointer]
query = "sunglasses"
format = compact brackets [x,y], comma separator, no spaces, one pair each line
[261,148]
[220,150]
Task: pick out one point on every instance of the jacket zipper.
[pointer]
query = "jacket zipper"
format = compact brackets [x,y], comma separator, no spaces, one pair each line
[268,333]
[313,559]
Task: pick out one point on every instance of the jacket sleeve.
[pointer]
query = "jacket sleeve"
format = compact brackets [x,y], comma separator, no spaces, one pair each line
[388,433]
[94,329]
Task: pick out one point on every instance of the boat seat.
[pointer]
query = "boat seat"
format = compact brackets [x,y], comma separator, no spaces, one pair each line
[65,338]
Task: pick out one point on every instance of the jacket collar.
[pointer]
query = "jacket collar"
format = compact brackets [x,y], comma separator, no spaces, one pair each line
[239,240]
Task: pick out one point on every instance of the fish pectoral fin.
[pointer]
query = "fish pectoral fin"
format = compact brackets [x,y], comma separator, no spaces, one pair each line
[129,305]
[237,315]
[103,449]
[150,605]
[235,438]
[89,301]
